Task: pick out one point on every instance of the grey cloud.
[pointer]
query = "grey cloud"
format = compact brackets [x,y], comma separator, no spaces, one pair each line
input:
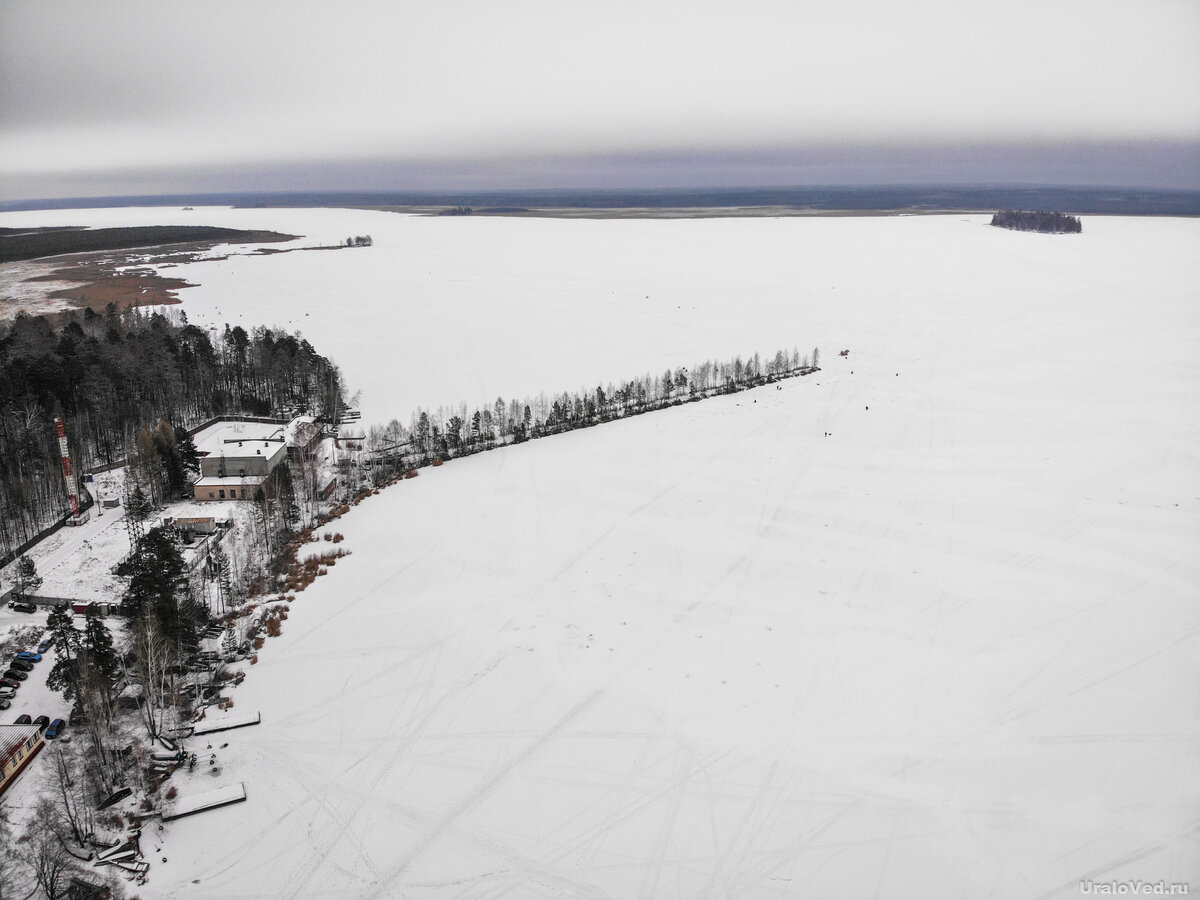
[139,89]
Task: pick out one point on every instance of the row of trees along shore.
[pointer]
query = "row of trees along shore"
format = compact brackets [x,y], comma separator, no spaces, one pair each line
[446,433]
[1045,222]
[115,377]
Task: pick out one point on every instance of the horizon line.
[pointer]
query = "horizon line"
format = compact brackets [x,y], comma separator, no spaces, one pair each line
[171,197]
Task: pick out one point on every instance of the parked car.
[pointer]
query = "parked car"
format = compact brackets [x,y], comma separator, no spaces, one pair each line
[42,722]
[78,717]
[45,645]
[55,727]
[9,682]
[23,720]
[21,665]
[16,673]
[29,657]
[24,607]
[5,703]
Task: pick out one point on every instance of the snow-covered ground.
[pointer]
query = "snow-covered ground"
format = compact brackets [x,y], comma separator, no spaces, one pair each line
[76,562]
[921,625]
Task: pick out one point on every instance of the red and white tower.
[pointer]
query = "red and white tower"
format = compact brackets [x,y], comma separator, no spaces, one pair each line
[61,427]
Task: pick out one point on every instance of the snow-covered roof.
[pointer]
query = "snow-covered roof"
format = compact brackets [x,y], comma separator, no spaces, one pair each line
[11,739]
[224,437]
[300,428]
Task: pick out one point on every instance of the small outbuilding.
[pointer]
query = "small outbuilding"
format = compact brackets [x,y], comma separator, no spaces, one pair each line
[302,436]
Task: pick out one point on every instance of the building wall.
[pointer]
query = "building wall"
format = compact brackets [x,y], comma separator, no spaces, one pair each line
[234,490]
[217,465]
[15,762]
[308,438]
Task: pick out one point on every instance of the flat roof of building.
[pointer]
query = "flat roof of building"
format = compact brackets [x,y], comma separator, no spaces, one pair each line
[224,437]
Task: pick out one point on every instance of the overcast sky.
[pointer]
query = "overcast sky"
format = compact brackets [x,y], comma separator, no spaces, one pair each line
[159,96]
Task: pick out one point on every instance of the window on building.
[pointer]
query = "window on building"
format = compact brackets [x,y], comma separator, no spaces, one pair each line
[211,495]
[222,493]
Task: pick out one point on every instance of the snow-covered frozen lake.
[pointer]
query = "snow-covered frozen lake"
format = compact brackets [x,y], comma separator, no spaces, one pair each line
[462,309]
[952,649]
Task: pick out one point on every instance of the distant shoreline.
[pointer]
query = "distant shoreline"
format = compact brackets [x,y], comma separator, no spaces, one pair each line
[678,212]
[91,268]
[690,202]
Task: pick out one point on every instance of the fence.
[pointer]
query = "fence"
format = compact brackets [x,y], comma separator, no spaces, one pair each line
[29,544]
[76,604]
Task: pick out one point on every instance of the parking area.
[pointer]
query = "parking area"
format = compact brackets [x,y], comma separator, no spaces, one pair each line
[23,651]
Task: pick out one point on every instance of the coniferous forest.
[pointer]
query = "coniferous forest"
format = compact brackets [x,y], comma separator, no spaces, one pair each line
[115,377]
[1045,222]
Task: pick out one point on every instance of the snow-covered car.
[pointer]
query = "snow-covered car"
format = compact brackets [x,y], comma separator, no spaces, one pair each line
[23,607]
[26,656]
[16,674]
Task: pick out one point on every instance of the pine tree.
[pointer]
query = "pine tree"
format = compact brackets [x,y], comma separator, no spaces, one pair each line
[99,645]
[62,631]
[156,580]
[25,578]
[189,456]
[67,644]
[423,434]
[170,462]
[220,564]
